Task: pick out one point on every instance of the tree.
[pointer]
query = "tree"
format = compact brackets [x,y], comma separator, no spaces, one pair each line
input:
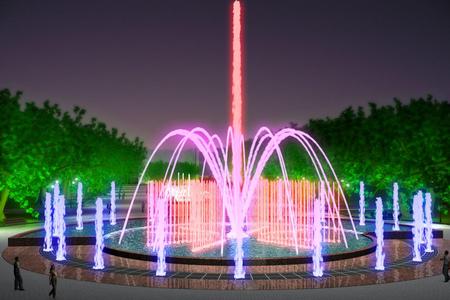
[41,144]
[404,143]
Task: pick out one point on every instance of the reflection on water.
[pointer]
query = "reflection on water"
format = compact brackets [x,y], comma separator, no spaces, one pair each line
[134,241]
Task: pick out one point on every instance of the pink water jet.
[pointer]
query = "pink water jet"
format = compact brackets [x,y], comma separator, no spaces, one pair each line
[237,183]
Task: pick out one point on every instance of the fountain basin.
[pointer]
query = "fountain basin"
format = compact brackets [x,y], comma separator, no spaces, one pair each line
[256,252]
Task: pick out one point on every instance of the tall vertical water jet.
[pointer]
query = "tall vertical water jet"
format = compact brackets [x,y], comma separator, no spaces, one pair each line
[79,206]
[379,224]
[429,223]
[99,244]
[237,180]
[317,255]
[362,209]
[112,215]
[236,91]
[418,222]
[396,207]
[48,223]
[421,217]
[55,208]
[61,252]
[161,237]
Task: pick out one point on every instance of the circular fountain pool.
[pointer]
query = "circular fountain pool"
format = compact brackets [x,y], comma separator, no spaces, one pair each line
[133,245]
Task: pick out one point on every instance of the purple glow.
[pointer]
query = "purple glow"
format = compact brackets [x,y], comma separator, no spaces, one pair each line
[55,208]
[421,223]
[429,223]
[379,225]
[160,236]
[237,185]
[112,216]
[396,207]
[362,209]
[99,245]
[79,206]
[418,224]
[317,256]
[48,223]
[61,252]
[236,210]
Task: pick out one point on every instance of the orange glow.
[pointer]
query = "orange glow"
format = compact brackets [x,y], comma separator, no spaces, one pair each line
[197,220]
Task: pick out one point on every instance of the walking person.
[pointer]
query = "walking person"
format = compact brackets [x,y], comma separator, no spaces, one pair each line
[445,266]
[52,281]
[18,282]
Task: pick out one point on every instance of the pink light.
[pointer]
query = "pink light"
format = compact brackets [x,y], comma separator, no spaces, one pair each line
[284,215]
[236,89]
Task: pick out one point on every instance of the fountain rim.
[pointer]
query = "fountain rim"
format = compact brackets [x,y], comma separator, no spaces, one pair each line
[218,261]
[21,239]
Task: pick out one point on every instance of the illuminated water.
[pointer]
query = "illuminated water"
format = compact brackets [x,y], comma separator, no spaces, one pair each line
[135,241]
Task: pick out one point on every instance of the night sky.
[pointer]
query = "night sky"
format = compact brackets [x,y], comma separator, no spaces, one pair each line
[146,66]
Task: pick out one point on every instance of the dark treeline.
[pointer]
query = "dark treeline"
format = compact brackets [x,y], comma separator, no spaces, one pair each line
[404,143]
[41,144]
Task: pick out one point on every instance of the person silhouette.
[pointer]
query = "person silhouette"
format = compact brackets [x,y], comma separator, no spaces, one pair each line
[445,266]
[52,281]
[18,282]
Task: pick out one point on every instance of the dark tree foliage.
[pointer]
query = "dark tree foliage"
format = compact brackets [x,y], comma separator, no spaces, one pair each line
[40,144]
[404,143]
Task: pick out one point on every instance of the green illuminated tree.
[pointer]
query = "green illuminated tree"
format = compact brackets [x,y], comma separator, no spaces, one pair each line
[41,144]
[404,143]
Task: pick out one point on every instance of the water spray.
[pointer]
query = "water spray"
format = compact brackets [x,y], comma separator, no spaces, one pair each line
[317,255]
[396,208]
[48,223]
[55,208]
[362,209]
[79,206]
[429,224]
[418,223]
[112,215]
[61,252]
[99,244]
[379,225]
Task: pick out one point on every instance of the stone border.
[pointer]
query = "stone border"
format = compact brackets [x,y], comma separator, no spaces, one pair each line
[21,240]
[401,263]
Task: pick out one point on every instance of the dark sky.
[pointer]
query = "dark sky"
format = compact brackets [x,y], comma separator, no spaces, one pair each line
[148,66]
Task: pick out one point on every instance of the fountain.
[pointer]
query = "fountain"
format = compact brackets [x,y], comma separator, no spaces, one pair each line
[99,245]
[112,215]
[79,206]
[236,184]
[61,208]
[421,216]
[317,256]
[48,223]
[362,209]
[55,208]
[396,208]
[161,237]
[379,224]
[429,223]
[418,224]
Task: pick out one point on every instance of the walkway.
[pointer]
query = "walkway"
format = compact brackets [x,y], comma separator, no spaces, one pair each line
[37,287]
